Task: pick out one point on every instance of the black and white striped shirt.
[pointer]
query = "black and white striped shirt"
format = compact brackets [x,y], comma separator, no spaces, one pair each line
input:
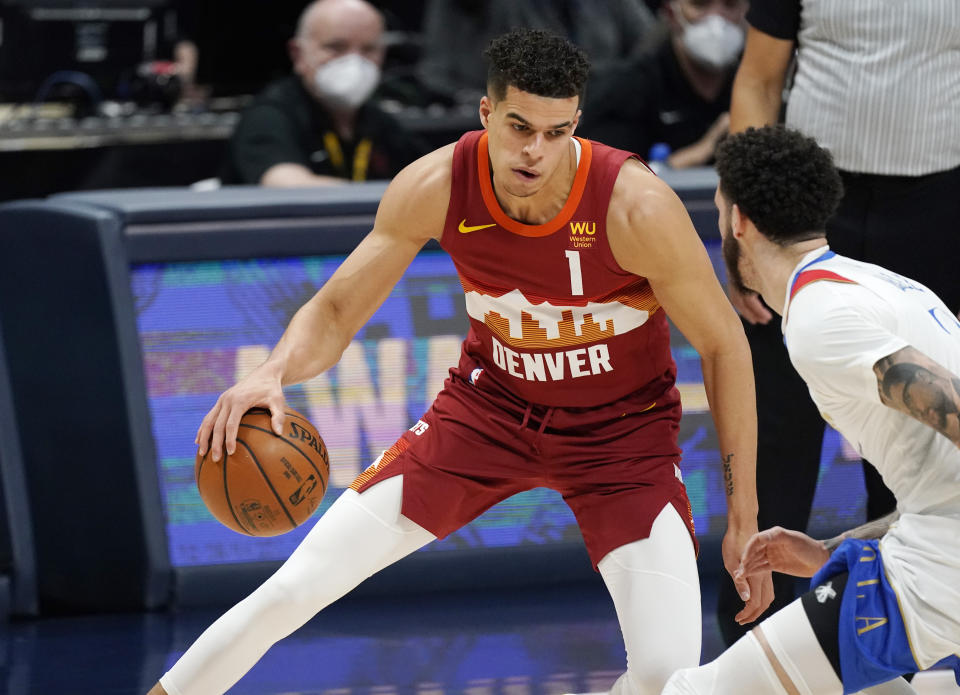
[877,81]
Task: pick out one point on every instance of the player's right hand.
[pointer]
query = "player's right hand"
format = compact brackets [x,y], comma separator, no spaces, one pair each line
[748,305]
[218,430]
[782,550]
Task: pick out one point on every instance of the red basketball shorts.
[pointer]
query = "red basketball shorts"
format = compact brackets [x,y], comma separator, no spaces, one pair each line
[615,465]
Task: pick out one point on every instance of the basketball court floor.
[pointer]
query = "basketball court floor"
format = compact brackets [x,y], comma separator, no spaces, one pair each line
[531,641]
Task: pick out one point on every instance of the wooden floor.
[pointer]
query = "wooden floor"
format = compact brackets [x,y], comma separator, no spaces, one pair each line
[524,642]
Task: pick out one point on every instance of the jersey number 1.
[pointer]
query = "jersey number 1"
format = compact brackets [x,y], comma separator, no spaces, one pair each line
[576,278]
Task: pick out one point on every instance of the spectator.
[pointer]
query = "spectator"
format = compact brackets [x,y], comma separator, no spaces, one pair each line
[319,126]
[455,33]
[881,91]
[679,92]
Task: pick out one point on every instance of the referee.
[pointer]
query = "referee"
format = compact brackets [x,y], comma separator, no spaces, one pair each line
[878,85]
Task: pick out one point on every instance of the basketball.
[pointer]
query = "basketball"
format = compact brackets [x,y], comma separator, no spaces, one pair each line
[270,484]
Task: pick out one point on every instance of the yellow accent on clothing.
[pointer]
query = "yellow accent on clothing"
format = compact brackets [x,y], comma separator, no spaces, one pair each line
[361,155]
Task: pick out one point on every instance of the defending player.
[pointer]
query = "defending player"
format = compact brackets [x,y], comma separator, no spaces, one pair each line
[881,356]
[569,253]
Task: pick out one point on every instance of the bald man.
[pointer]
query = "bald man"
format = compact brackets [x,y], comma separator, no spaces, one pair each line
[319,125]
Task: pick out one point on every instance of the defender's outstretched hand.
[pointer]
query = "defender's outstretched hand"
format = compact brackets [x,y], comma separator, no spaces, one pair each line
[262,387]
[756,590]
[782,550]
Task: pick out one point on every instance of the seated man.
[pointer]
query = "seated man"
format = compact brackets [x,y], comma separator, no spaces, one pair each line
[881,356]
[318,126]
[679,92]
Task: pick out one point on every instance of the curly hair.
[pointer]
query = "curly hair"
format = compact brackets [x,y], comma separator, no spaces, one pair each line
[537,62]
[782,180]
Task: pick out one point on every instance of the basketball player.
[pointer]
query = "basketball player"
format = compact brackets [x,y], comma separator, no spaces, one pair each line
[570,254]
[881,356]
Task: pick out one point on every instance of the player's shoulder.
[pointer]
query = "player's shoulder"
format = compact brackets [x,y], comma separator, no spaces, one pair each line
[827,311]
[418,196]
[429,174]
[645,211]
[835,294]
[636,176]
[822,301]
[640,196]
[811,318]
[425,181]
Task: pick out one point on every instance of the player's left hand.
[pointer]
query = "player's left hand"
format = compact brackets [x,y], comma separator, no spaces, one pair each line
[782,550]
[755,589]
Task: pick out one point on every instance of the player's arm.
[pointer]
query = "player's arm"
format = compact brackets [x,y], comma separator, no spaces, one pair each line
[914,384]
[864,532]
[795,553]
[412,211]
[651,235]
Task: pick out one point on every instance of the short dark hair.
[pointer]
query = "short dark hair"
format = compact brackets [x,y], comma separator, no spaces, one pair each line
[538,62]
[782,180]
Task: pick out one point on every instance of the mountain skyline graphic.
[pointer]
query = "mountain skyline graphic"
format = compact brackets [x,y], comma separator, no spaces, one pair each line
[519,322]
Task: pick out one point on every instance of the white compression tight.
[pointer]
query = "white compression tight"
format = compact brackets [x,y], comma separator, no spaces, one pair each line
[656,592]
[746,668]
[653,583]
[358,536]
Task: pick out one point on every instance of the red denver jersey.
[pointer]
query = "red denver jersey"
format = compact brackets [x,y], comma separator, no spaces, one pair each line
[553,318]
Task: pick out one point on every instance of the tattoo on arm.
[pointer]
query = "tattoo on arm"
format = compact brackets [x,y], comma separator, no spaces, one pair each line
[728,474]
[868,531]
[914,384]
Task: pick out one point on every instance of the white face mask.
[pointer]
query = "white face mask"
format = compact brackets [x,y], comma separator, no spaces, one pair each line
[347,81]
[714,41]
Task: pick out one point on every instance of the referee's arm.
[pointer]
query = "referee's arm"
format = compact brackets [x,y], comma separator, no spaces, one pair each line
[758,86]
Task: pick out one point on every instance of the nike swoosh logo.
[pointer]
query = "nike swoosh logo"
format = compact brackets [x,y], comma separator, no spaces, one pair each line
[464,229]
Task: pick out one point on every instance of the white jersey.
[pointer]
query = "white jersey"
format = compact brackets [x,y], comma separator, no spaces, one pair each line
[843,317]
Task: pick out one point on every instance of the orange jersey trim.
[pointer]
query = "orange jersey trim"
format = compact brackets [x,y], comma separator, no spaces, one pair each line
[389,456]
[532,230]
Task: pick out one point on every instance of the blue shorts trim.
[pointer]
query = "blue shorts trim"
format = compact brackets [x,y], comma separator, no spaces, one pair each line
[872,637]
[953,662]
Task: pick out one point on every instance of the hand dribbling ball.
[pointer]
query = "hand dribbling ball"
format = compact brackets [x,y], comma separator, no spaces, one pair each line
[270,484]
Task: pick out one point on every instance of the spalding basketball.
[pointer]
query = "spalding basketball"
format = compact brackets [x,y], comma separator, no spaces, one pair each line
[270,484]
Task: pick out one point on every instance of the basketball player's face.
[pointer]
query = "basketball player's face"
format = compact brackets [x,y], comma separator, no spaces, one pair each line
[730,245]
[528,139]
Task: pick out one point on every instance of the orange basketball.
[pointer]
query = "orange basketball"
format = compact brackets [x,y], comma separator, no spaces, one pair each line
[270,484]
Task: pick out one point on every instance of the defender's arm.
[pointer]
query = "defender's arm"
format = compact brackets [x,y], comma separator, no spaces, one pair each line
[865,532]
[797,554]
[913,383]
